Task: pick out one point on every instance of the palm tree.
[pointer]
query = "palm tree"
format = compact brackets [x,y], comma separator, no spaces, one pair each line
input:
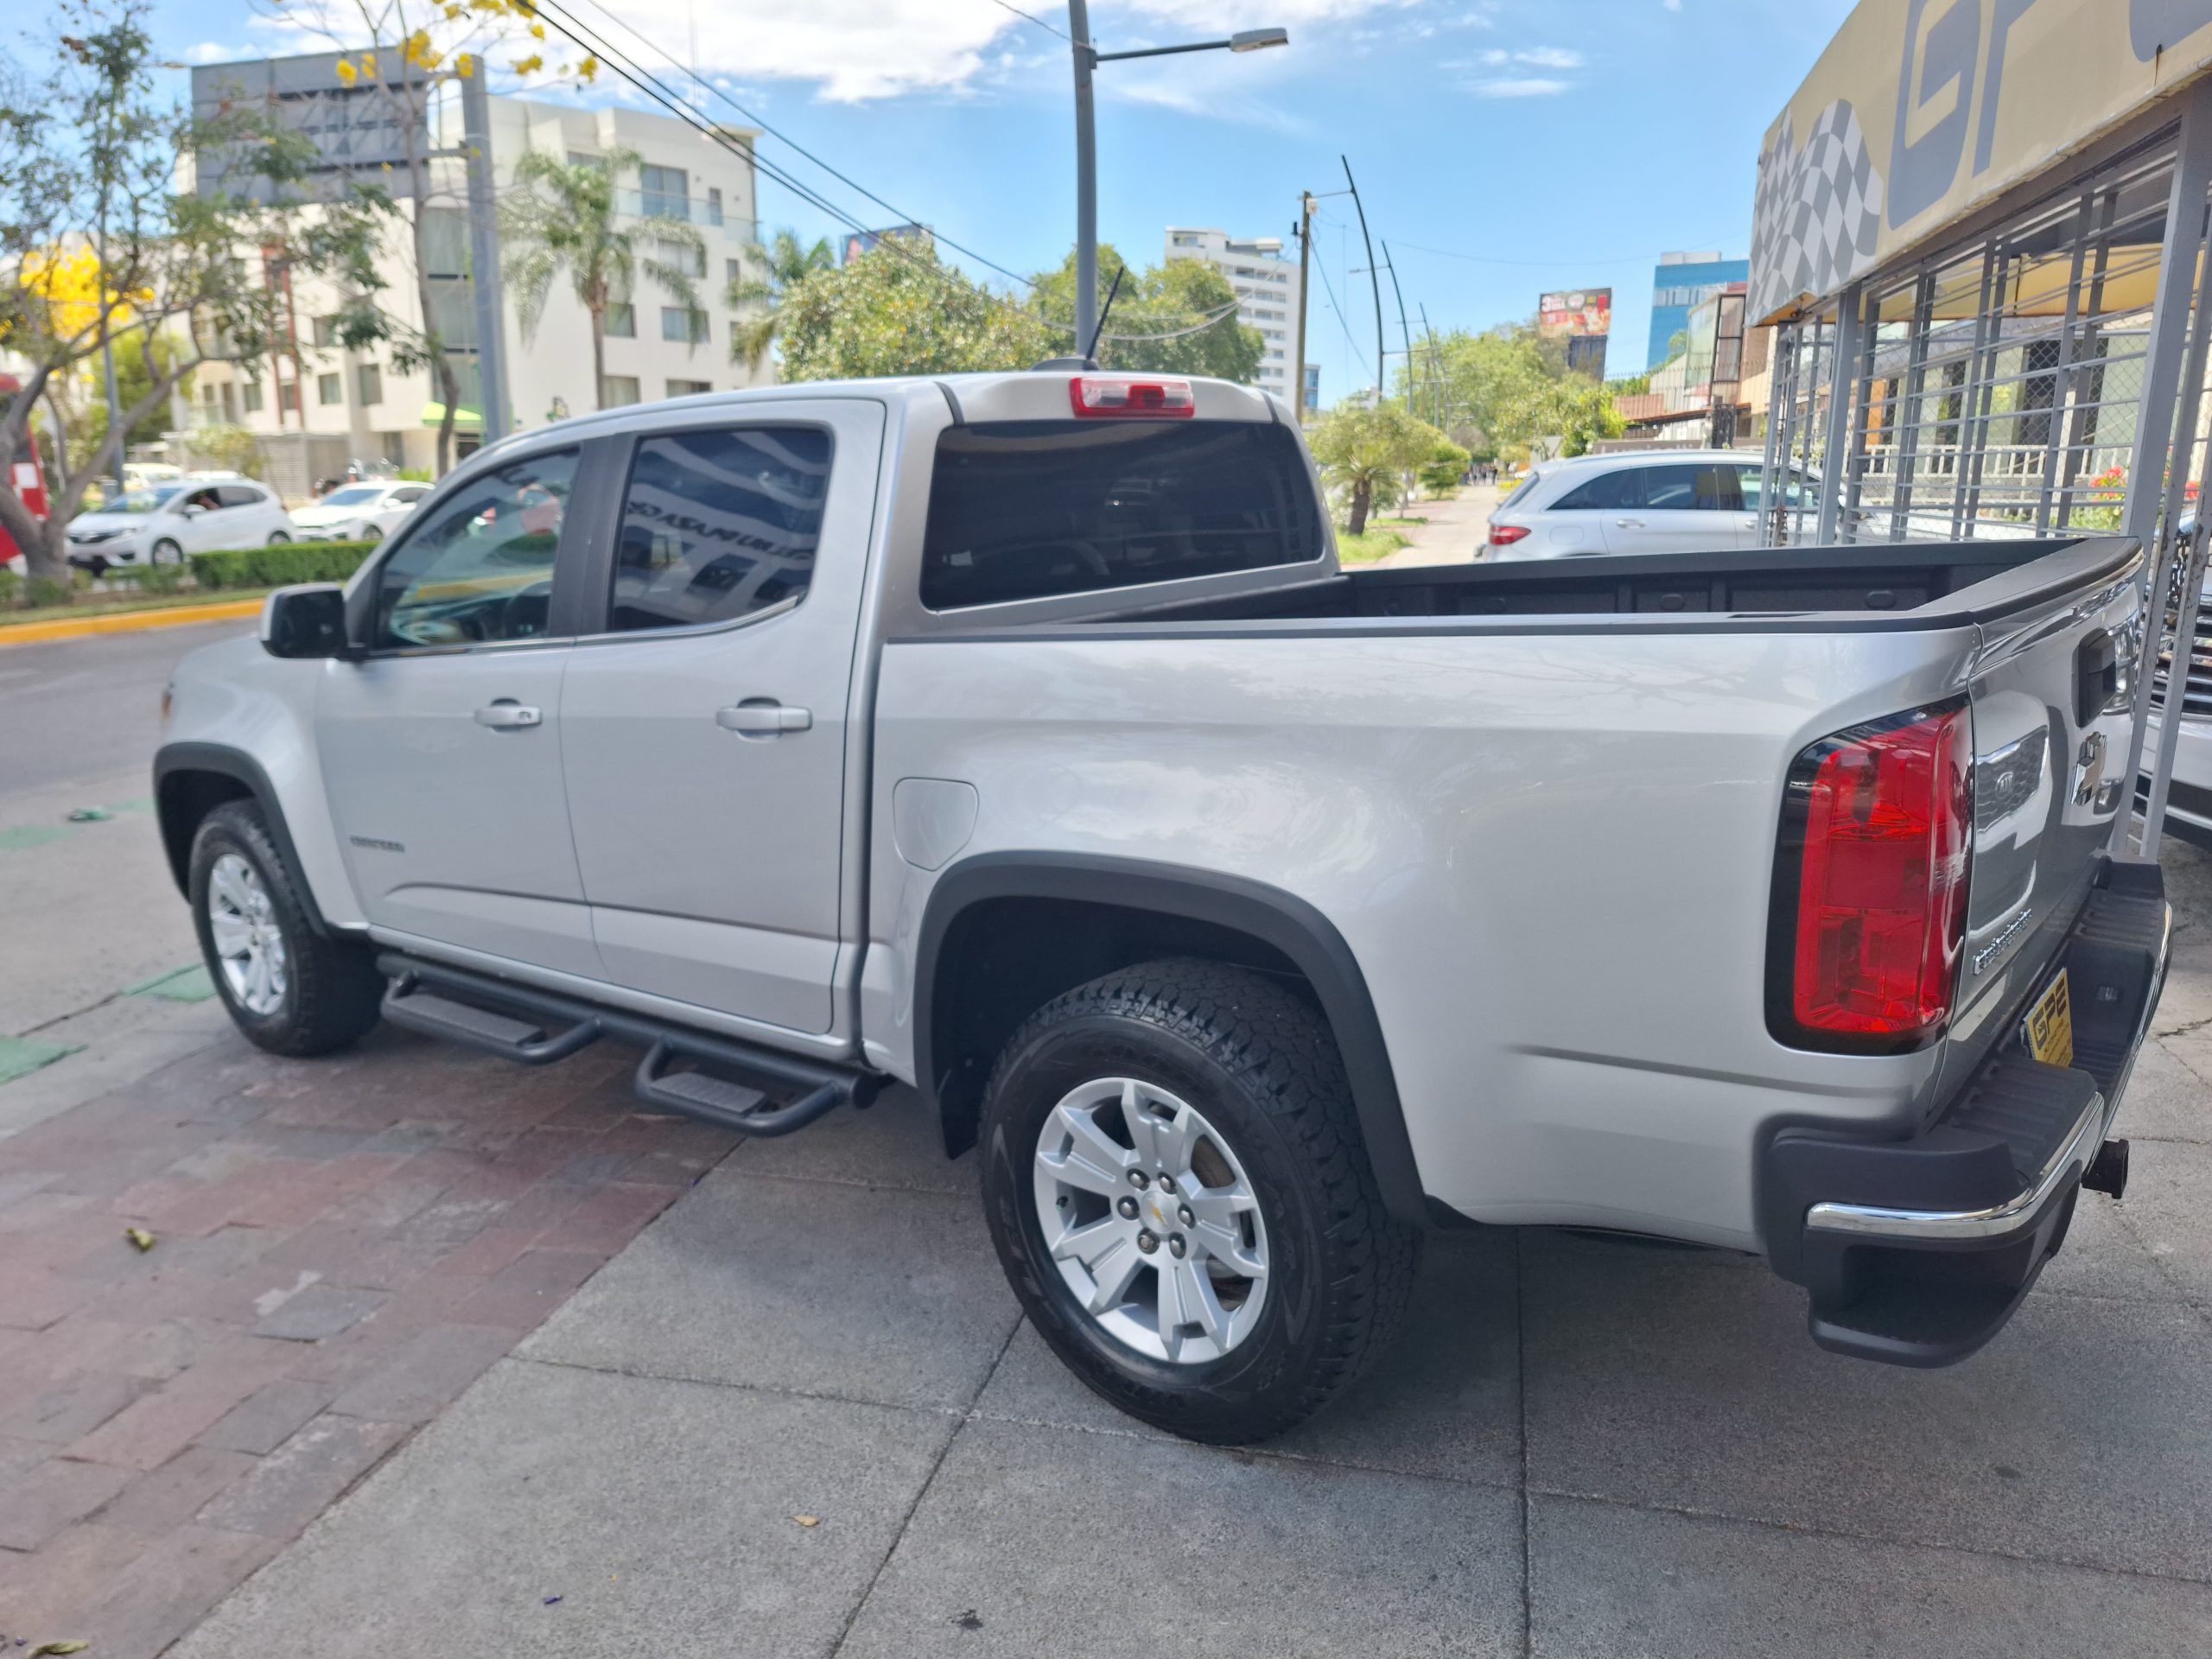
[564,216]
[767,275]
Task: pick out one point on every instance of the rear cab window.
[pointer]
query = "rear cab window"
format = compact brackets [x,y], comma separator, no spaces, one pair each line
[1038,509]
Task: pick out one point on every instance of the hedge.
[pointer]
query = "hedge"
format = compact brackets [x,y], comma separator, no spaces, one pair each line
[279,565]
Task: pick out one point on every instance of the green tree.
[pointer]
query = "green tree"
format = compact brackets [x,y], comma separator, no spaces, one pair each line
[564,216]
[1365,451]
[1516,388]
[898,310]
[83,131]
[766,275]
[1445,466]
[1150,329]
[1583,413]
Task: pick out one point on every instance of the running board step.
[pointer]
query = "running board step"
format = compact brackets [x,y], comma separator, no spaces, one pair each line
[515,1038]
[732,1105]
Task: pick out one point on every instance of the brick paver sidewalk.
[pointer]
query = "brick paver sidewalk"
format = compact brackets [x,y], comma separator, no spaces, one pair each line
[341,1246]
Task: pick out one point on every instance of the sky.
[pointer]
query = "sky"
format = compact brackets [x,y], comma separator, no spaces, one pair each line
[1501,147]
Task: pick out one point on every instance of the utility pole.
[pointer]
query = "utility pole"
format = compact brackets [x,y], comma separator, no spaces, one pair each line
[1305,261]
[1086,179]
[1399,294]
[1374,280]
[483,257]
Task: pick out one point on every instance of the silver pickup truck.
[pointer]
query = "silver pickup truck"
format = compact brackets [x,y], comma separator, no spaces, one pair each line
[1018,738]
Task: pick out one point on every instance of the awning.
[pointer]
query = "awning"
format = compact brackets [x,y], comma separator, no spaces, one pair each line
[435,415]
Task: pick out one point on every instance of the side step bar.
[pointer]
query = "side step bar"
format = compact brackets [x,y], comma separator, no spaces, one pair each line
[733,1084]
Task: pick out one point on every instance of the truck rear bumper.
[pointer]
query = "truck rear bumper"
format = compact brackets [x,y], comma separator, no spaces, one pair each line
[1916,1252]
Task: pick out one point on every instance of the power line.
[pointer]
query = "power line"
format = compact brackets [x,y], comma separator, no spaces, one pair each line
[1521,264]
[1029,17]
[757,120]
[1326,289]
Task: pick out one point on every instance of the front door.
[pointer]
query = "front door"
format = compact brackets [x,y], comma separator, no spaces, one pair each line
[441,752]
[1689,506]
[705,727]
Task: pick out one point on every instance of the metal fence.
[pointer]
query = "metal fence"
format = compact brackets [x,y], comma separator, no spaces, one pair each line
[1995,388]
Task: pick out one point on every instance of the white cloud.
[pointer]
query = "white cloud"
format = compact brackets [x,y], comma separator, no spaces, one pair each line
[1525,87]
[216,51]
[1536,57]
[1672,5]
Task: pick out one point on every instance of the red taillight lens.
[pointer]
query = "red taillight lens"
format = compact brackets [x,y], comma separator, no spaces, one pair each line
[1109,397]
[1506,535]
[1886,816]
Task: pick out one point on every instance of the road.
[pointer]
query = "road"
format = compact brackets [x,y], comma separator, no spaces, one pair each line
[87,910]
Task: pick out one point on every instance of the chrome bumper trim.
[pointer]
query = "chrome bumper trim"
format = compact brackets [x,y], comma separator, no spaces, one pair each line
[2066,1165]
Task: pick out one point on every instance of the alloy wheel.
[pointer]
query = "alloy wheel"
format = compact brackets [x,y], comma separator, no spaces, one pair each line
[1151,1220]
[249,941]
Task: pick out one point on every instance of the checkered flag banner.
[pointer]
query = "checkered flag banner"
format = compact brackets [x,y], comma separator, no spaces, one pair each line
[1818,213]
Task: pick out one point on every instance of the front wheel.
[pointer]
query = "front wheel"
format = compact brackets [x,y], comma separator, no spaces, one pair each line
[290,989]
[165,552]
[1174,1177]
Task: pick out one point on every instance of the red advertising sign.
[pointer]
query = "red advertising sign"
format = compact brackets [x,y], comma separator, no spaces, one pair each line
[1576,311]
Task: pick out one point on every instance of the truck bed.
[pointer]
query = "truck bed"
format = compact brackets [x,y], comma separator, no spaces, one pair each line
[1906,584]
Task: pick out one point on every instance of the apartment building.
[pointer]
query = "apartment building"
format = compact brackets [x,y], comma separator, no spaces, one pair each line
[315,406]
[1267,287]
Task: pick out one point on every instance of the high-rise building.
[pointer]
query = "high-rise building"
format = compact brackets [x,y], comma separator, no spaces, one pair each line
[1682,282]
[1266,295]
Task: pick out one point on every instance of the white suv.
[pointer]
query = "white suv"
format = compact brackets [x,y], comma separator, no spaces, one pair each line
[1693,501]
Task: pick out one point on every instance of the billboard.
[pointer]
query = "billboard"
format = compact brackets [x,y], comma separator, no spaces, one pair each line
[1921,111]
[357,123]
[859,242]
[1575,313]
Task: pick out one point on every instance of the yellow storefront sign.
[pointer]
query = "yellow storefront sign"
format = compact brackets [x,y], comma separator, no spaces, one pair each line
[1921,111]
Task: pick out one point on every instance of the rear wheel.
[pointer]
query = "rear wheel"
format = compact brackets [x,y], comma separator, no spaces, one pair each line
[1174,1180]
[290,989]
[277,538]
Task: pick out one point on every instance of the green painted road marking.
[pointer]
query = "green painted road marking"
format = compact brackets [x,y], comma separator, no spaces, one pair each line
[139,804]
[19,1056]
[23,836]
[178,985]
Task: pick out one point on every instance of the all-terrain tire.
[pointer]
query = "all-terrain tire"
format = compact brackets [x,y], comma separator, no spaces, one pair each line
[1261,1066]
[331,992]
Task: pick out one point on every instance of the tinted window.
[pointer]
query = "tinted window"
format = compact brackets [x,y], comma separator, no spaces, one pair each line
[408,497]
[1624,488]
[1690,488]
[1025,509]
[479,567]
[716,526]
[239,495]
[1795,490]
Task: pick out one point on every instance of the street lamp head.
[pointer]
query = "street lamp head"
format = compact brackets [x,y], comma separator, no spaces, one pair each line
[1254,40]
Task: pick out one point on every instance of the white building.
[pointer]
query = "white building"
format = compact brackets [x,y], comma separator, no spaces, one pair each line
[1267,294]
[315,406]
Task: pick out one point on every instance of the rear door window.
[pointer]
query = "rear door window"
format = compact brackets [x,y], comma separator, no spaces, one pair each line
[1691,487]
[241,495]
[718,524]
[1035,509]
[1608,491]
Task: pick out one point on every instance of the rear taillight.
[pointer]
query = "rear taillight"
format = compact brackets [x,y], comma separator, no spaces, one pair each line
[1506,535]
[1870,898]
[1108,397]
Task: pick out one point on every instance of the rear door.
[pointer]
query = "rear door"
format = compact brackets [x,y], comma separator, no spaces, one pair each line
[1689,506]
[1576,524]
[251,515]
[704,726]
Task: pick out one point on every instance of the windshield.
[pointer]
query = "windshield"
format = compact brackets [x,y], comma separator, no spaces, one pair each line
[143,500]
[359,495]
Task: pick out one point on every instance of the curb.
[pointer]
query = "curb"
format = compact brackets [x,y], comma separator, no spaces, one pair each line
[174,616]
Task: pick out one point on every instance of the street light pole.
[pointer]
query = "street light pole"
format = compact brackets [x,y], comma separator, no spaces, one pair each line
[1374,281]
[1305,261]
[1087,58]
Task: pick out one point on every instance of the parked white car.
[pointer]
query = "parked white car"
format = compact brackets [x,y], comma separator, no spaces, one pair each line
[1693,501]
[367,511]
[161,523]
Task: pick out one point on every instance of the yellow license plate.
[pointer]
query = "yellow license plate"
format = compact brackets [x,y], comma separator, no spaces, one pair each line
[2049,1025]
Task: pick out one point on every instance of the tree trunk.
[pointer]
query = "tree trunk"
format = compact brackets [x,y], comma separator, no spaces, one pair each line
[1363,494]
[599,357]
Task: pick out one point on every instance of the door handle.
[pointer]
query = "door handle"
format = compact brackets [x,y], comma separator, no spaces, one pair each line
[763,717]
[1629,524]
[507,715]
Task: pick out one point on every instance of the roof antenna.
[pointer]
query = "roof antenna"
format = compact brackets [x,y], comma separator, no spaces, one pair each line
[1091,353]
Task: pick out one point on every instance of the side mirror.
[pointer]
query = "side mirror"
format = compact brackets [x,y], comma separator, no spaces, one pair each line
[309,621]
[193,509]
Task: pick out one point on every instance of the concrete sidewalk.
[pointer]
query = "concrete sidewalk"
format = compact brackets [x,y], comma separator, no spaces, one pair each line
[801,1416]
[1453,534]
